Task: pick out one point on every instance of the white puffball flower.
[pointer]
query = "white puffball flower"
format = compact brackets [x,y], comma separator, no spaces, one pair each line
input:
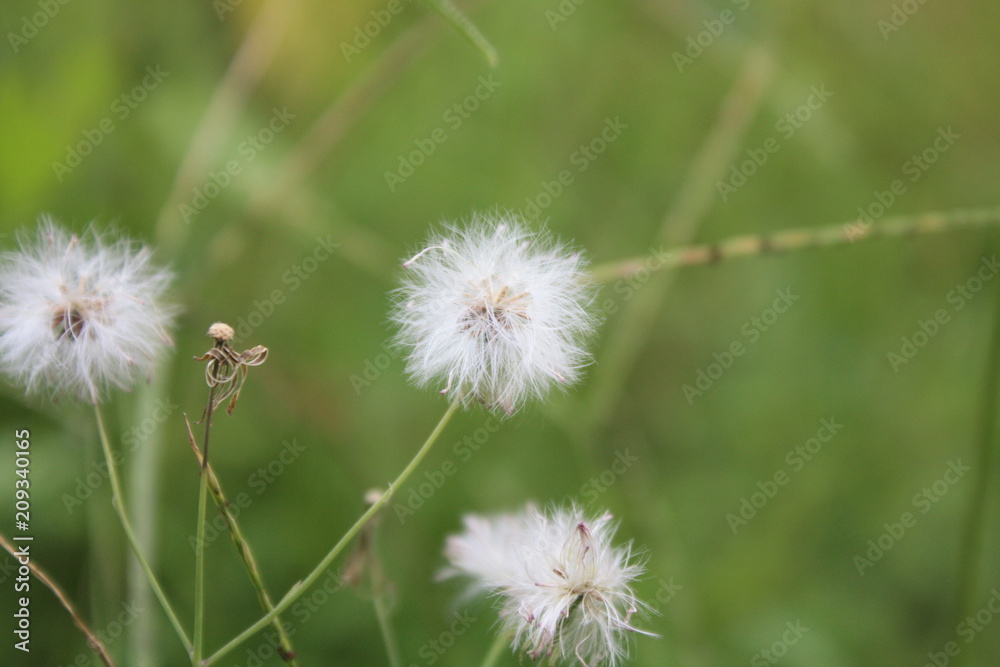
[495,312]
[564,590]
[80,314]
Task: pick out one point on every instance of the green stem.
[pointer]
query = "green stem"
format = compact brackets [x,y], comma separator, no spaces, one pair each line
[680,226]
[297,590]
[229,99]
[798,239]
[143,490]
[199,548]
[116,502]
[496,650]
[464,25]
[284,200]
[381,592]
[245,553]
[199,573]
[972,540]
[385,627]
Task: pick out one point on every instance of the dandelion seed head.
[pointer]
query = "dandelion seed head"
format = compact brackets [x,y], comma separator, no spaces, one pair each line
[221,332]
[495,312]
[563,589]
[79,315]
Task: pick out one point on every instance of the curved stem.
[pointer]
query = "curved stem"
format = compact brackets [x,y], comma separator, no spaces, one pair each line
[116,502]
[297,590]
[453,15]
[93,641]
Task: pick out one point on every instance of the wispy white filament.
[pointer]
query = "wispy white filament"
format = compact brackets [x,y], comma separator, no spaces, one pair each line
[79,315]
[564,591]
[494,312]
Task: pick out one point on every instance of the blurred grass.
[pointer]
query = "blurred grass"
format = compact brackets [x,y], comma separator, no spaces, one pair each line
[825,357]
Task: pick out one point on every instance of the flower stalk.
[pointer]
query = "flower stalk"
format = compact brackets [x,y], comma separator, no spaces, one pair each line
[285,649]
[791,240]
[199,549]
[117,503]
[301,587]
[225,374]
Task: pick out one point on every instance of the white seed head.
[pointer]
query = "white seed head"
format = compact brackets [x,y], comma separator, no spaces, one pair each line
[494,312]
[80,315]
[221,332]
[564,591]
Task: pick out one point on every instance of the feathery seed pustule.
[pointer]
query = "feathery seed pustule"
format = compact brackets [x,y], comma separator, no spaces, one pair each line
[495,312]
[563,589]
[80,315]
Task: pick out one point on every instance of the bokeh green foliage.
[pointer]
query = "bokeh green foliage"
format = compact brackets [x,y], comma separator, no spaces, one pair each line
[826,357]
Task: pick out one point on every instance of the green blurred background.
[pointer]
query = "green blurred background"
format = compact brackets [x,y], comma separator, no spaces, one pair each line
[346,118]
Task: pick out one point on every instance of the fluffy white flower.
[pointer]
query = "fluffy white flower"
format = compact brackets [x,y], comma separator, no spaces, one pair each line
[79,315]
[495,312]
[564,590]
